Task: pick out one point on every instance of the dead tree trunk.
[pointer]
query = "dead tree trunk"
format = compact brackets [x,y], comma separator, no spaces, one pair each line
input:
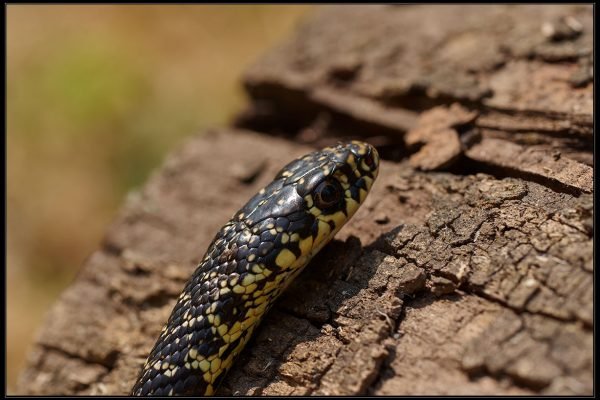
[468,271]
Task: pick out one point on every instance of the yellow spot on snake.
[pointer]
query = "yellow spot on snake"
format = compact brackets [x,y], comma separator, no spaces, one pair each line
[222,329]
[306,244]
[251,257]
[235,327]
[215,364]
[363,194]
[234,336]
[285,258]
[257,268]
[195,364]
[239,289]
[351,206]
[209,390]
[248,279]
[260,310]
[351,160]
[193,353]
[250,288]
[260,300]
[212,308]
[284,238]
[338,218]
[322,234]
[248,322]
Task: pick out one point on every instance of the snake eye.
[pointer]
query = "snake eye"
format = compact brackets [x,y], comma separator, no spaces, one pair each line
[327,194]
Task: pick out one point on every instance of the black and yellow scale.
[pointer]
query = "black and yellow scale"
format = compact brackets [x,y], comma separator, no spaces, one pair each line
[250,262]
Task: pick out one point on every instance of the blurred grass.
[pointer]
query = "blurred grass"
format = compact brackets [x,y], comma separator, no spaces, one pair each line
[97,95]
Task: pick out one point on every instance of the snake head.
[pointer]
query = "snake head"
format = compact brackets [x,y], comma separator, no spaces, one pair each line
[311,198]
[335,179]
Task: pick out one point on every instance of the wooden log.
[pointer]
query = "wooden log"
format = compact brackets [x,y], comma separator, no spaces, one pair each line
[447,281]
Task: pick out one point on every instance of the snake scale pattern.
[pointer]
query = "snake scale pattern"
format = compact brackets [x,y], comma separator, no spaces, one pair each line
[250,262]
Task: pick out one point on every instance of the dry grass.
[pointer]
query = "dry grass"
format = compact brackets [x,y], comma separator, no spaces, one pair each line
[97,95]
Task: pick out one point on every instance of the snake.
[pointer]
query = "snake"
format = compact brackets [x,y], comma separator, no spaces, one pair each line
[250,262]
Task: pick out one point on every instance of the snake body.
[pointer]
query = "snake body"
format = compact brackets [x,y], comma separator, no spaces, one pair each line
[250,262]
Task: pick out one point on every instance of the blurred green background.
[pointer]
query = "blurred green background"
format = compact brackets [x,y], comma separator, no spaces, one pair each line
[96,97]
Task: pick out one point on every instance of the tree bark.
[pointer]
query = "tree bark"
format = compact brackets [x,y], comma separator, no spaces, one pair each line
[469,268]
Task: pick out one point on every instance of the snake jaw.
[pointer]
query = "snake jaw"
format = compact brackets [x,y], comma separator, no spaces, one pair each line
[251,261]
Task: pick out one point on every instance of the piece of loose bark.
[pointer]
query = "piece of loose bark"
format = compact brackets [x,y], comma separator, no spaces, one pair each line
[440,142]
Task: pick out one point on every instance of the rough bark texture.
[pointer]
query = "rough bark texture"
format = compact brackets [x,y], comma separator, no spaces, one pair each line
[468,270]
